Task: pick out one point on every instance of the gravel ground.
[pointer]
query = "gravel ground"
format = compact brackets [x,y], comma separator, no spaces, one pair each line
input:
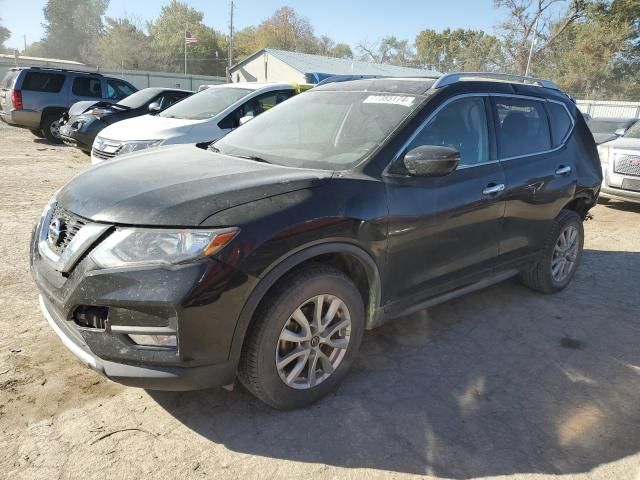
[502,383]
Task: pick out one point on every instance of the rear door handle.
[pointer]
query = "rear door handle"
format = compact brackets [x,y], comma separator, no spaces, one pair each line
[493,189]
[563,170]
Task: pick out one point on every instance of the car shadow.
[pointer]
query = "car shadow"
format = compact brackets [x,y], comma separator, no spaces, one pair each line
[502,381]
[623,206]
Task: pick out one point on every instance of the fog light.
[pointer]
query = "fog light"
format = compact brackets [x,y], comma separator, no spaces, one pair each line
[155,340]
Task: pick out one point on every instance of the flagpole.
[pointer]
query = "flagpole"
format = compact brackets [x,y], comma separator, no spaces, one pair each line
[533,42]
[184,38]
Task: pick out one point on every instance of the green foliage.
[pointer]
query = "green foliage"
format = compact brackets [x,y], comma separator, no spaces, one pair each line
[5,33]
[123,45]
[388,50]
[459,50]
[72,28]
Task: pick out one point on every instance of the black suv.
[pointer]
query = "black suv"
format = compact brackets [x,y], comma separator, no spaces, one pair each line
[268,256]
[36,97]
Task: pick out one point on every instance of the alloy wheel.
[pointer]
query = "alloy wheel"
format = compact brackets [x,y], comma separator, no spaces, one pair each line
[313,342]
[565,254]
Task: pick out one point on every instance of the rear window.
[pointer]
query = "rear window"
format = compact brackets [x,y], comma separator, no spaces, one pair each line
[560,123]
[523,128]
[7,81]
[43,82]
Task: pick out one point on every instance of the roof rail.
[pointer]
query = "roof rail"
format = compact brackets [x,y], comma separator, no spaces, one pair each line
[62,69]
[450,78]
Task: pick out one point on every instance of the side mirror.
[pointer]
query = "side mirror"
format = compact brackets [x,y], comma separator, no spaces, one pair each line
[620,132]
[245,119]
[431,161]
[154,107]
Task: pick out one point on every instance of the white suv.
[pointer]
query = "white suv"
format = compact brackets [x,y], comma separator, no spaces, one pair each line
[204,117]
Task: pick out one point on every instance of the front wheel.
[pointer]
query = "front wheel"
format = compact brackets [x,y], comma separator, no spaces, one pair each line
[303,339]
[561,255]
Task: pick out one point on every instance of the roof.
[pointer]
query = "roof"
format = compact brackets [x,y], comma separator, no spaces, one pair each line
[308,63]
[254,85]
[41,59]
[401,86]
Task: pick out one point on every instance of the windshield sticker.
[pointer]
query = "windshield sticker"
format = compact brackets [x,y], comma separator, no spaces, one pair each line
[391,99]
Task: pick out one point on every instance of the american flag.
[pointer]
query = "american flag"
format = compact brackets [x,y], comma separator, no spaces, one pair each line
[190,38]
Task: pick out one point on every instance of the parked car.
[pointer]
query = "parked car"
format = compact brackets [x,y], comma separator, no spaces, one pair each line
[202,118]
[355,203]
[86,119]
[607,129]
[621,166]
[36,97]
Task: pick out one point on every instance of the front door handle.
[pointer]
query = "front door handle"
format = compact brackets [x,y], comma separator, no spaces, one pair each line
[563,170]
[492,189]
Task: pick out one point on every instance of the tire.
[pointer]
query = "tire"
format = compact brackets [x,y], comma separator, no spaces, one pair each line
[264,345]
[37,133]
[603,200]
[543,277]
[51,128]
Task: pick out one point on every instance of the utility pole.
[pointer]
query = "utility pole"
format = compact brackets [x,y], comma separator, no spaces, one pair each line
[24,52]
[533,42]
[230,42]
[184,39]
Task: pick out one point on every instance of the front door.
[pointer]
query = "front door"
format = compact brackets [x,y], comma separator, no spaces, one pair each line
[444,231]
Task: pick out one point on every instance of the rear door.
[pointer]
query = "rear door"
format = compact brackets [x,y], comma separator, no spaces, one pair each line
[540,175]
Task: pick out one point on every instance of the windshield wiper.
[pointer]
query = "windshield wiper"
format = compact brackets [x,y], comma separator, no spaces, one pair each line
[249,157]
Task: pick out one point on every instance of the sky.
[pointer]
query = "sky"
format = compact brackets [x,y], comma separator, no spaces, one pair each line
[349,21]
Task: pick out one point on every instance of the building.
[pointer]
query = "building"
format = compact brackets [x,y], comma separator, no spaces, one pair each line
[271,65]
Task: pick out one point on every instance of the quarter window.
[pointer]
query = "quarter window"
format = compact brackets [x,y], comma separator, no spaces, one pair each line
[43,82]
[87,87]
[560,122]
[462,124]
[523,128]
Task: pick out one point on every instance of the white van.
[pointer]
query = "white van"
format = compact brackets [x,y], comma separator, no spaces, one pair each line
[203,117]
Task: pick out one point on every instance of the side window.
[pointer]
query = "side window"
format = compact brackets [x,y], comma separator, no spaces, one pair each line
[522,127]
[117,90]
[87,87]
[170,98]
[561,123]
[43,82]
[254,107]
[462,124]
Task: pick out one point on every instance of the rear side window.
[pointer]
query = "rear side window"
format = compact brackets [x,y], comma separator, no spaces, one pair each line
[87,87]
[561,123]
[523,128]
[7,81]
[43,82]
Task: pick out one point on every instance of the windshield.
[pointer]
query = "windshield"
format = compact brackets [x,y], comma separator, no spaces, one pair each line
[138,99]
[634,131]
[205,104]
[607,126]
[324,130]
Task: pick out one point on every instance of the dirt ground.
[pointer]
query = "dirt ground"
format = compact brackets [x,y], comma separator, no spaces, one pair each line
[502,383]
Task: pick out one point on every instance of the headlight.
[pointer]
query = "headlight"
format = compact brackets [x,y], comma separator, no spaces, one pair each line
[144,246]
[130,147]
[603,151]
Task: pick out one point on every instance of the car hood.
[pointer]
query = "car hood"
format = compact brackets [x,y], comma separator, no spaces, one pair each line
[177,186]
[148,127]
[626,143]
[604,137]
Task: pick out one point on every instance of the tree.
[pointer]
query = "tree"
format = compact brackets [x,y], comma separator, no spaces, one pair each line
[5,33]
[325,45]
[124,45]
[387,50]
[459,50]
[341,50]
[529,19]
[72,28]
[207,56]
[286,30]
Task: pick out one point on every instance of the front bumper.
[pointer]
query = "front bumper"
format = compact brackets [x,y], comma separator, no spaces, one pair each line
[199,302]
[82,137]
[615,186]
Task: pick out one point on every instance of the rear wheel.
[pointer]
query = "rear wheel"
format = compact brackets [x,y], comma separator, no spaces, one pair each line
[561,256]
[51,127]
[304,338]
[37,133]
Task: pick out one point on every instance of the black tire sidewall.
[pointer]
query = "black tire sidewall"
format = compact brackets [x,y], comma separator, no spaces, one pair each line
[281,395]
[46,128]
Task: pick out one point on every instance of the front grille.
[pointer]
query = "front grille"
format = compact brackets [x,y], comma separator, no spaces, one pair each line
[627,164]
[70,226]
[103,155]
